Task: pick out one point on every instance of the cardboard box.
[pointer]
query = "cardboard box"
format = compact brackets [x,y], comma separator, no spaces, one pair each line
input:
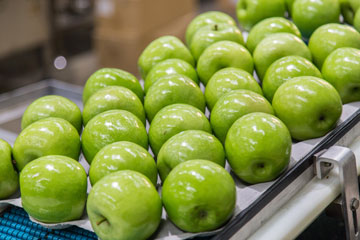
[139,16]
[227,6]
[122,50]
[119,51]
[23,24]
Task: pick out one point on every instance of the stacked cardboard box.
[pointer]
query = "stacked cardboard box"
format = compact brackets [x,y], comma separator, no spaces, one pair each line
[227,6]
[23,25]
[123,28]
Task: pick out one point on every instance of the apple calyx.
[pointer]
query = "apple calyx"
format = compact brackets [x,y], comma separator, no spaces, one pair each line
[260,165]
[355,89]
[201,213]
[321,117]
[259,169]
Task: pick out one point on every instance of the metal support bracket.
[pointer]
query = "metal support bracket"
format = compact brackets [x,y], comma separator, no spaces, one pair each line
[344,158]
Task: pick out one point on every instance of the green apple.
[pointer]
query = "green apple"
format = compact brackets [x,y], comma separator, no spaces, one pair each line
[267,27]
[48,136]
[161,49]
[276,46]
[174,119]
[167,67]
[342,69]
[357,20]
[124,205]
[221,55]
[122,156]
[204,19]
[285,69]
[309,106]
[308,15]
[53,189]
[226,80]
[171,89]
[109,127]
[111,77]
[113,97]
[234,105]
[258,147]
[199,196]
[210,34]
[250,12]
[9,178]
[329,37]
[188,145]
[289,4]
[52,106]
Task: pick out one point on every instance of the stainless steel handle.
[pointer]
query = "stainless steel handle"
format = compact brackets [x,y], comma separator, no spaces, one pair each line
[344,158]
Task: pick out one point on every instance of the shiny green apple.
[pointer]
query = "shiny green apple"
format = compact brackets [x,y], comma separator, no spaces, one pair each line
[221,55]
[111,77]
[174,119]
[309,106]
[342,69]
[52,106]
[285,69]
[122,155]
[161,49]
[167,67]
[308,15]
[109,127]
[113,97]
[250,12]
[276,46]
[234,105]
[124,205]
[210,34]
[258,147]
[9,178]
[53,189]
[204,19]
[171,89]
[330,37]
[48,136]
[226,80]
[199,196]
[188,145]
[270,26]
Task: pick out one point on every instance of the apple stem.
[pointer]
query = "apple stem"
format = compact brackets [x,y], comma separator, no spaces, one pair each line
[216,27]
[101,221]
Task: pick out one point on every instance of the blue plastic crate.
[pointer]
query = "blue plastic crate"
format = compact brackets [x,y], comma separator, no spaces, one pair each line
[15,225]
